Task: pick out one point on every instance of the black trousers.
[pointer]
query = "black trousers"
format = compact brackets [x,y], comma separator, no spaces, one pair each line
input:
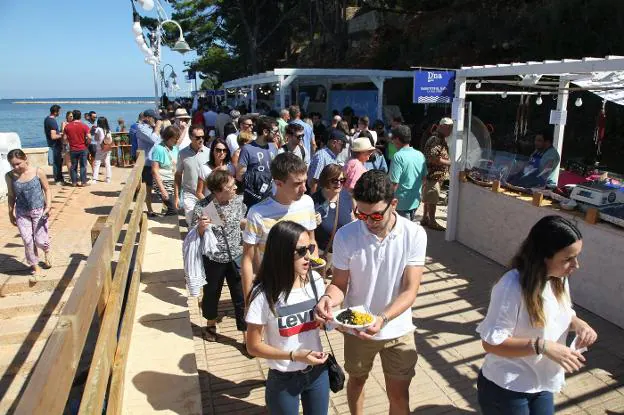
[216,274]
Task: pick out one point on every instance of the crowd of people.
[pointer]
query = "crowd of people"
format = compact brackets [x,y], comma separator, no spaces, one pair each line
[266,199]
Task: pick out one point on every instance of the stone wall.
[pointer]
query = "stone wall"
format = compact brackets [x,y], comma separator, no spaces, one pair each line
[495,225]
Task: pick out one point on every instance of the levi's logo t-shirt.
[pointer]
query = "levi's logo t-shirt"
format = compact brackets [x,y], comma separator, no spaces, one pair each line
[296,318]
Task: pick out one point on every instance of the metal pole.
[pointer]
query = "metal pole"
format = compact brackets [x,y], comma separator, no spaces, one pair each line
[467,143]
[156,96]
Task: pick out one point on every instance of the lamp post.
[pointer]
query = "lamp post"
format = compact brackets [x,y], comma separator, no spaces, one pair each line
[153,52]
[164,82]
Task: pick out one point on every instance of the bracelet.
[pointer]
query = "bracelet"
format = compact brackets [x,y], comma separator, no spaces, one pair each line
[543,349]
[384,319]
[536,345]
[292,359]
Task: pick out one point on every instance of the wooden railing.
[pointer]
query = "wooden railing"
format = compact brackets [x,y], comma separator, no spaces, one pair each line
[96,290]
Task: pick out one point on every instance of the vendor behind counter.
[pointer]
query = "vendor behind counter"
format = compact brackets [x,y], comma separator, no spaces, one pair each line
[541,170]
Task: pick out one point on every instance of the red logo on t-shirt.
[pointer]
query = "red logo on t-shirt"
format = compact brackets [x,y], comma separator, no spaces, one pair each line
[296,318]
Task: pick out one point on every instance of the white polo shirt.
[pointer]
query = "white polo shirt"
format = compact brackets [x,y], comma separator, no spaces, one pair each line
[376,267]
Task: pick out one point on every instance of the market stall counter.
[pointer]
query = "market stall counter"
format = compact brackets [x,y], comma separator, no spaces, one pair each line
[495,222]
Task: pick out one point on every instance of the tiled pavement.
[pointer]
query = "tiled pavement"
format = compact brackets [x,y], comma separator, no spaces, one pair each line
[452,300]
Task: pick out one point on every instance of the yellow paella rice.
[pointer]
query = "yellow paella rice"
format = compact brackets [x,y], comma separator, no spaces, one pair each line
[360,318]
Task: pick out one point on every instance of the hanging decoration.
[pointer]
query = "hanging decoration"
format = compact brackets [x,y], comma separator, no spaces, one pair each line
[599,131]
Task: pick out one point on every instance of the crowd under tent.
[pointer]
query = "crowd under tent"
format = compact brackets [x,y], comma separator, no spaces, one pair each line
[284,79]
[494,222]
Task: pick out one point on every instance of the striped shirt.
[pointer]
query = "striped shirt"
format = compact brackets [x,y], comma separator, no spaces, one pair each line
[321,159]
[262,216]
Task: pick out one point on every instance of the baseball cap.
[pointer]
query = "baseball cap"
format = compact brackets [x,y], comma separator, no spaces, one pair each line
[446,121]
[151,113]
[181,113]
[336,134]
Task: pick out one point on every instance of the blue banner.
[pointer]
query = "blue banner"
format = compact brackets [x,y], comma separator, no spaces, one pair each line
[434,87]
[363,102]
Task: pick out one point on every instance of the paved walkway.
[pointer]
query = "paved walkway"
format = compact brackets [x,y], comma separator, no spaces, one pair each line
[28,312]
[452,300]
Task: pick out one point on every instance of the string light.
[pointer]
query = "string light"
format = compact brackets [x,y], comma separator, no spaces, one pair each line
[478,85]
[539,100]
[504,95]
[578,102]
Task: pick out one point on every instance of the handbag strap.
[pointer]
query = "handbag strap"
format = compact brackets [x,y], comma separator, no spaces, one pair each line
[311,277]
[331,237]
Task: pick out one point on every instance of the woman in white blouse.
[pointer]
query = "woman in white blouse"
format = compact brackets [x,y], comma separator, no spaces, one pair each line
[525,330]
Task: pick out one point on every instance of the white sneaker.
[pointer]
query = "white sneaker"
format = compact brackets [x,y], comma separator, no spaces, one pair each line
[108,181]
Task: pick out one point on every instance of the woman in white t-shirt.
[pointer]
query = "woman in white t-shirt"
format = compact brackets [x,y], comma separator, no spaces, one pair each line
[281,308]
[103,140]
[525,330]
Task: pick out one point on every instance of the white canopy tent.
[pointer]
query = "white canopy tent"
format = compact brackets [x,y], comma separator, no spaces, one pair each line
[284,78]
[602,76]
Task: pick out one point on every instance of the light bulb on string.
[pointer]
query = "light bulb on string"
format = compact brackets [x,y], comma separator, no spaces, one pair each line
[136,28]
[478,85]
[139,40]
[504,95]
[578,102]
[538,100]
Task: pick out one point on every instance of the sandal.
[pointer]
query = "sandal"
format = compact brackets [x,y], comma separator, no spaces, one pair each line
[436,226]
[210,333]
[47,264]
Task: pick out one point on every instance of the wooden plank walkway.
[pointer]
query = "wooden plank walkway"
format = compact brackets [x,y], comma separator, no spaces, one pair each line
[452,300]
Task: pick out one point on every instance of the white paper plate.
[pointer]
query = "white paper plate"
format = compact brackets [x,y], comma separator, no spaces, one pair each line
[360,308]
[319,265]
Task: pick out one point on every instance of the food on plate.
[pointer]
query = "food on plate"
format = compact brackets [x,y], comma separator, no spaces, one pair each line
[319,262]
[355,318]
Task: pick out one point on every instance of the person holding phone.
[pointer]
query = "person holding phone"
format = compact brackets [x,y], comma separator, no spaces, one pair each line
[524,332]
[280,310]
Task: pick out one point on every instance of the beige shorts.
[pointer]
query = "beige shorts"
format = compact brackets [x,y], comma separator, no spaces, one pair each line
[398,356]
[431,192]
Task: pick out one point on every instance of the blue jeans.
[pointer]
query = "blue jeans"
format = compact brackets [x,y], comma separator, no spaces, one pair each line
[78,156]
[284,389]
[495,400]
[55,158]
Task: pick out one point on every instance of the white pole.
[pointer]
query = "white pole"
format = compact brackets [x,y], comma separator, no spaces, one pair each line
[252,97]
[380,95]
[156,96]
[282,92]
[562,105]
[456,153]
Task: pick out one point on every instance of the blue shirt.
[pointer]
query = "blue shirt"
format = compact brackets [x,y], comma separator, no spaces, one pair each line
[408,169]
[378,163]
[308,133]
[132,133]
[254,155]
[322,158]
[146,138]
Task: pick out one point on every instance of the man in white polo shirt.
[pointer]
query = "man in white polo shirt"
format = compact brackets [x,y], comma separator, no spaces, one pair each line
[378,261]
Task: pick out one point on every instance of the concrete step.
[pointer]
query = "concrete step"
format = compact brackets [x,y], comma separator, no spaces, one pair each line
[26,328]
[19,283]
[26,304]
[19,358]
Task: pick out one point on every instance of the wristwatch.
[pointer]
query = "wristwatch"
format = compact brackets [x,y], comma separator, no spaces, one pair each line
[384,319]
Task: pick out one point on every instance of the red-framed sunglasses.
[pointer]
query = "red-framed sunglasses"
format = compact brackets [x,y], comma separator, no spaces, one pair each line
[375,216]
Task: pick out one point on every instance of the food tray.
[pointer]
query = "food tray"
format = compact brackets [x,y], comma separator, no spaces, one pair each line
[556,196]
[360,308]
[517,188]
[612,219]
[320,264]
[478,181]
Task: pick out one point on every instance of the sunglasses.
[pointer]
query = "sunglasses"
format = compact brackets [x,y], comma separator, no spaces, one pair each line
[220,150]
[338,181]
[247,125]
[375,216]
[303,250]
[199,137]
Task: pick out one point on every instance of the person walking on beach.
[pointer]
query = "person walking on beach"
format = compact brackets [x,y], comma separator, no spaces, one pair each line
[164,157]
[524,332]
[30,201]
[103,142]
[55,143]
[78,137]
[281,326]
[407,172]
[224,263]
[438,164]
[378,262]
[69,117]
[91,122]
[148,134]
[289,203]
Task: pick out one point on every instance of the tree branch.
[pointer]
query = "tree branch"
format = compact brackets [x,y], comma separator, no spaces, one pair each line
[277,25]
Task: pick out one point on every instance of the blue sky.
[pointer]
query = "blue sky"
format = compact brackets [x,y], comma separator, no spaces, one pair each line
[75,49]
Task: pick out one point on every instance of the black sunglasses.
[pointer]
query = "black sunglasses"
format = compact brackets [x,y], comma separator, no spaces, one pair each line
[302,250]
[338,181]
[199,137]
[220,150]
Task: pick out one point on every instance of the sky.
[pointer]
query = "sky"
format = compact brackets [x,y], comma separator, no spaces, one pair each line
[76,49]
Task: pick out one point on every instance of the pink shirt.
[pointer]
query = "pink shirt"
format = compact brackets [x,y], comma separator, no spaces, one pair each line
[353,170]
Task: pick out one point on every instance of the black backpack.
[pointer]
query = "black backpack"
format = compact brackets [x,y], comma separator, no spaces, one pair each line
[257,185]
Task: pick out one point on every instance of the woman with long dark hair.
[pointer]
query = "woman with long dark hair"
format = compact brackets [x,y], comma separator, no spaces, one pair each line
[281,311]
[103,140]
[525,330]
[219,159]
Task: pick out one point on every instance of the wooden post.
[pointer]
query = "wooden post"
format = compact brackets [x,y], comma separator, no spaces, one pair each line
[496,186]
[538,198]
[463,176]
[592,215]
[97,228]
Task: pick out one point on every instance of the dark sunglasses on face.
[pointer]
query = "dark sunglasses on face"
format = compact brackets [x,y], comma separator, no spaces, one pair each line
[302,250]
[247,125]
[338,181]
[220,150]
[375,216]
[198,137]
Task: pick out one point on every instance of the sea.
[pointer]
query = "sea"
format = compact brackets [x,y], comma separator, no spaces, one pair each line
[25,116]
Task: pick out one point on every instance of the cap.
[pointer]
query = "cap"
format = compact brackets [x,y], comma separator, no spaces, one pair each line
[361,144]
[181,113]
[336,134]
[151,113]
[446,121]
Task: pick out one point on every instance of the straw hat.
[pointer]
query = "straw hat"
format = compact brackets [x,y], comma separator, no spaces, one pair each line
[361,144]
[181,113]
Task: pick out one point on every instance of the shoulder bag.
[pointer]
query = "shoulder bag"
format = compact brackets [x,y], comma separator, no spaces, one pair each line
[334,371]
[327,254]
